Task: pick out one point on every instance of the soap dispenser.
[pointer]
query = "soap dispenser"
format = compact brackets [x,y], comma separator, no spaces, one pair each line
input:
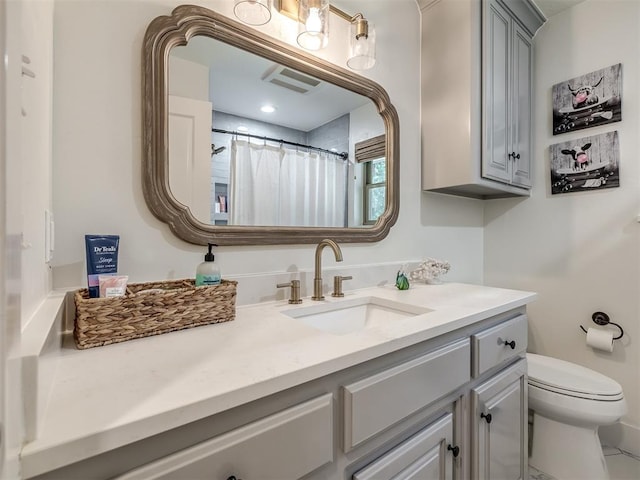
[208,272]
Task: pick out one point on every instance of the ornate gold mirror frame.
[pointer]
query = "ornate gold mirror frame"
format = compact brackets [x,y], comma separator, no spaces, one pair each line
[187,21]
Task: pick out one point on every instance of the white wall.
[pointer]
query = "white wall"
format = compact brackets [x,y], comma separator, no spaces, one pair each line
[97,150]
[21,225]
[36,141]
[188,79]
[580,251]
[26,31]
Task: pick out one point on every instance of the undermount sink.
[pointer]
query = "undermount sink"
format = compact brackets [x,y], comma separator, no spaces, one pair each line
[347,316]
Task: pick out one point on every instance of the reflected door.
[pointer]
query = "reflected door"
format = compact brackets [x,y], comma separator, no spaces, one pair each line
[190,155]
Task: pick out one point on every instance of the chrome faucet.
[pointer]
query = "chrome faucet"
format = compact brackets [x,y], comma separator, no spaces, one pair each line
[317,278]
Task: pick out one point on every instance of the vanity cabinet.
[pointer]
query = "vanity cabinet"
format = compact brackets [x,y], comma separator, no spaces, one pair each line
[477,69]
[419,412]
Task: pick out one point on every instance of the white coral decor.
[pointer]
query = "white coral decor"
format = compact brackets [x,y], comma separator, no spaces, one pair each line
[429,271]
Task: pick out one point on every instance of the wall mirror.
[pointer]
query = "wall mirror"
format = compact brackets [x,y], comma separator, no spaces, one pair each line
[321,161]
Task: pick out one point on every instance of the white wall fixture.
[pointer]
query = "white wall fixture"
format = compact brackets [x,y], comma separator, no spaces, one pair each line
[253,12]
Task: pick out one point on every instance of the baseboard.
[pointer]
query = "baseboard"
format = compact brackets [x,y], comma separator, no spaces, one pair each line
[621,435]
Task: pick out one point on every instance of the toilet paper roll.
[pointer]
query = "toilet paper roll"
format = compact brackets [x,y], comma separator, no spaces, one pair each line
[600,339]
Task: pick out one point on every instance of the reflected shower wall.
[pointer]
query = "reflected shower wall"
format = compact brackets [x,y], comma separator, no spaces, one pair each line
[331,135]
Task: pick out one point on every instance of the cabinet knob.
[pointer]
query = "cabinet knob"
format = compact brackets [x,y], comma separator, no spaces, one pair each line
[514,155]
[487,417]
[511,344]
[233,477]
[455,450]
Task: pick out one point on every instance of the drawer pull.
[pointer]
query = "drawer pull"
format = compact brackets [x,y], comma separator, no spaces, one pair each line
[487,417]
[511,344]
[233,477]
[455,450]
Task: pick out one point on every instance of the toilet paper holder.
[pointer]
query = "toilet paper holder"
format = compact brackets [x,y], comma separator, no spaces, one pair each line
[602,319]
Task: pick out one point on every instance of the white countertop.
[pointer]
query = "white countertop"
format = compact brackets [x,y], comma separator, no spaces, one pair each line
[106,397]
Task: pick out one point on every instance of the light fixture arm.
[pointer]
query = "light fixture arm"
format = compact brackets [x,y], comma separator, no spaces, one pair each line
[342,14]
[362,25]
[290,9]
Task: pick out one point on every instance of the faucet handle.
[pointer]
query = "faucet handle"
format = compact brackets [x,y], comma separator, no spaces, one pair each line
[337,285]
[295,290]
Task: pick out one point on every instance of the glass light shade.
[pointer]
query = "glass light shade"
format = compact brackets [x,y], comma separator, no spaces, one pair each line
[253,12]
[362,48]
[313,21]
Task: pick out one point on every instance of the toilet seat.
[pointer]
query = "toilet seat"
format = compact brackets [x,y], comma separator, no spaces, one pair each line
[569,379]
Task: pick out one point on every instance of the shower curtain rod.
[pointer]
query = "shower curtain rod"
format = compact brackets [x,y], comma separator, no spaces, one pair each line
[342,155]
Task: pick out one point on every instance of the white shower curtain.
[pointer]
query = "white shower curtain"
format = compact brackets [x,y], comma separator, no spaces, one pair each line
[285,187]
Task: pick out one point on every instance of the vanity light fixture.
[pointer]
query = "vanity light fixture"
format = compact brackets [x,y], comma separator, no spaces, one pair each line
[253,12]
[313,26]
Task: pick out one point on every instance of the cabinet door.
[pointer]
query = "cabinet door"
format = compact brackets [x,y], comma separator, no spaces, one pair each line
[496,58]
[286,445]
[499,426]
[425,456]
[522,106]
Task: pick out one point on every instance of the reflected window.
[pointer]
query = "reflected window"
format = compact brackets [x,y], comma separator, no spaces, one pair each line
[374,189]
[371,153]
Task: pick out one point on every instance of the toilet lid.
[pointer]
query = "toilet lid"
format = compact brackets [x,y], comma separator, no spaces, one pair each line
[571,379]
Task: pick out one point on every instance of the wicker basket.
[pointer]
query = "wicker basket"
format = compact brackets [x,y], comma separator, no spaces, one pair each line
[151,309]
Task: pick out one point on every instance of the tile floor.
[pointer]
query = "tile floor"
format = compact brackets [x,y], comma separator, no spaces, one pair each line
[621,465]
[535,474]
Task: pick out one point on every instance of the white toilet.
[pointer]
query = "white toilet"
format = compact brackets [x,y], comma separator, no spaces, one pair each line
[569,403]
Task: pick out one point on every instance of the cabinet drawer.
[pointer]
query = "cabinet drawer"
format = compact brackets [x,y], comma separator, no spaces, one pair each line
[419,457]
[377,402]
[497,344]
[270,448]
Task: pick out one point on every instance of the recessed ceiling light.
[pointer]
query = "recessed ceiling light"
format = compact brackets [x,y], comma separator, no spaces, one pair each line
[268,108]
[242,128]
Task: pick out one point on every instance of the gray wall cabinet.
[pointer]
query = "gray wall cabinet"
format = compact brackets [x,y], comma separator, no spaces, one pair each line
[477,68]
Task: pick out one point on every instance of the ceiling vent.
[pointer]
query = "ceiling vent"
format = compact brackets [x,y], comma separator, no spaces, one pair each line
[292,80]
